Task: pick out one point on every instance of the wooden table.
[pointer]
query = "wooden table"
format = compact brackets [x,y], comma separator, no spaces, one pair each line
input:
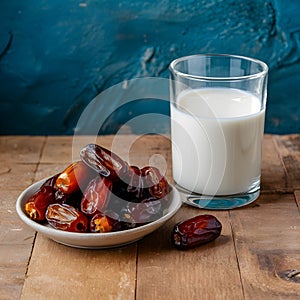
[256,257]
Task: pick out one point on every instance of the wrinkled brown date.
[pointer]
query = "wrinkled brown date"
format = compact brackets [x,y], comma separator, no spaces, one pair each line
[103,161]
[66,217]
[74,177]
[195,231]
[96,196]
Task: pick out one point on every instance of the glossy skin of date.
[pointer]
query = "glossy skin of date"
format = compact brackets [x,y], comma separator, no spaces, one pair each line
[141,184]
[66,217]
[74,178]
[37,204]
[195,231]
[107,222]
[73,199]
[103,161]
[156,183]
[96,196]
[137,214]
[135,184]
[130,187]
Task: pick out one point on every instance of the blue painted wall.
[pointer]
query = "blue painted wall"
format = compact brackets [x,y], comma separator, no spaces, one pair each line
[56,56]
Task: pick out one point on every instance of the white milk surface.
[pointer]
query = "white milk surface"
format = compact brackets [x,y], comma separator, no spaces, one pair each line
[216,141]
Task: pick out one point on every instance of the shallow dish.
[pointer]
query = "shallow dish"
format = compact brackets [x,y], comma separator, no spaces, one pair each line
[94,240]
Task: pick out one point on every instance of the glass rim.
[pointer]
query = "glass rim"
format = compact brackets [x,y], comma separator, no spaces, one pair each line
[172,68]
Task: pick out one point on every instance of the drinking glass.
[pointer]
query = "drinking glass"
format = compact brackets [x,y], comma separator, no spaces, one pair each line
[218,105]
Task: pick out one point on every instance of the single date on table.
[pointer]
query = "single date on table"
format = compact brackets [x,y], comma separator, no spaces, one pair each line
[196,231]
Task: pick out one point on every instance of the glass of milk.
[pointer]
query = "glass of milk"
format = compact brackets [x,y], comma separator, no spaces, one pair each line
[218,105]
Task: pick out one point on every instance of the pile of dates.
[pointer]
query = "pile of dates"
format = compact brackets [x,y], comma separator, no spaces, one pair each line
[100,193]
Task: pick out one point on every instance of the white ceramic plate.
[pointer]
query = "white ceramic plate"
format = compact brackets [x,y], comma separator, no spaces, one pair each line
[94,240]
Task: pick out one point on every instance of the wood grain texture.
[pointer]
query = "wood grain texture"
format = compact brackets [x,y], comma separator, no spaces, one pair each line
[207,272]
[21,149]
[256,257]
[289,149]
[60,272]
[57,150]
[20,157]
[266,236]
[16,241]
[273,175]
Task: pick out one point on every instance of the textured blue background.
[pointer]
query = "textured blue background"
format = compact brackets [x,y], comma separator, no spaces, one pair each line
[56,56]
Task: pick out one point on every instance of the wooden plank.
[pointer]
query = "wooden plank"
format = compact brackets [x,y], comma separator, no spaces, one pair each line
[13,266]
[65,149]
[267,243]
[16,241]
[21,149]
[57,150]
[273,174]
[17,177]
[289,150]
[206,272]
[13,230]
[60,272]
[20,156]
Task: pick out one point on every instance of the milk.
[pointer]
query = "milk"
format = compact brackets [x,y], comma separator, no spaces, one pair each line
[216,141]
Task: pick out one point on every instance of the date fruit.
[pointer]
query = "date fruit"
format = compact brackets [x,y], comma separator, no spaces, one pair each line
[107,222]
[73,177]
[37,204]
[157,184]
[103,161]
[66,217]
[96,196]
[135,185]
[195,231]
[142,213]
